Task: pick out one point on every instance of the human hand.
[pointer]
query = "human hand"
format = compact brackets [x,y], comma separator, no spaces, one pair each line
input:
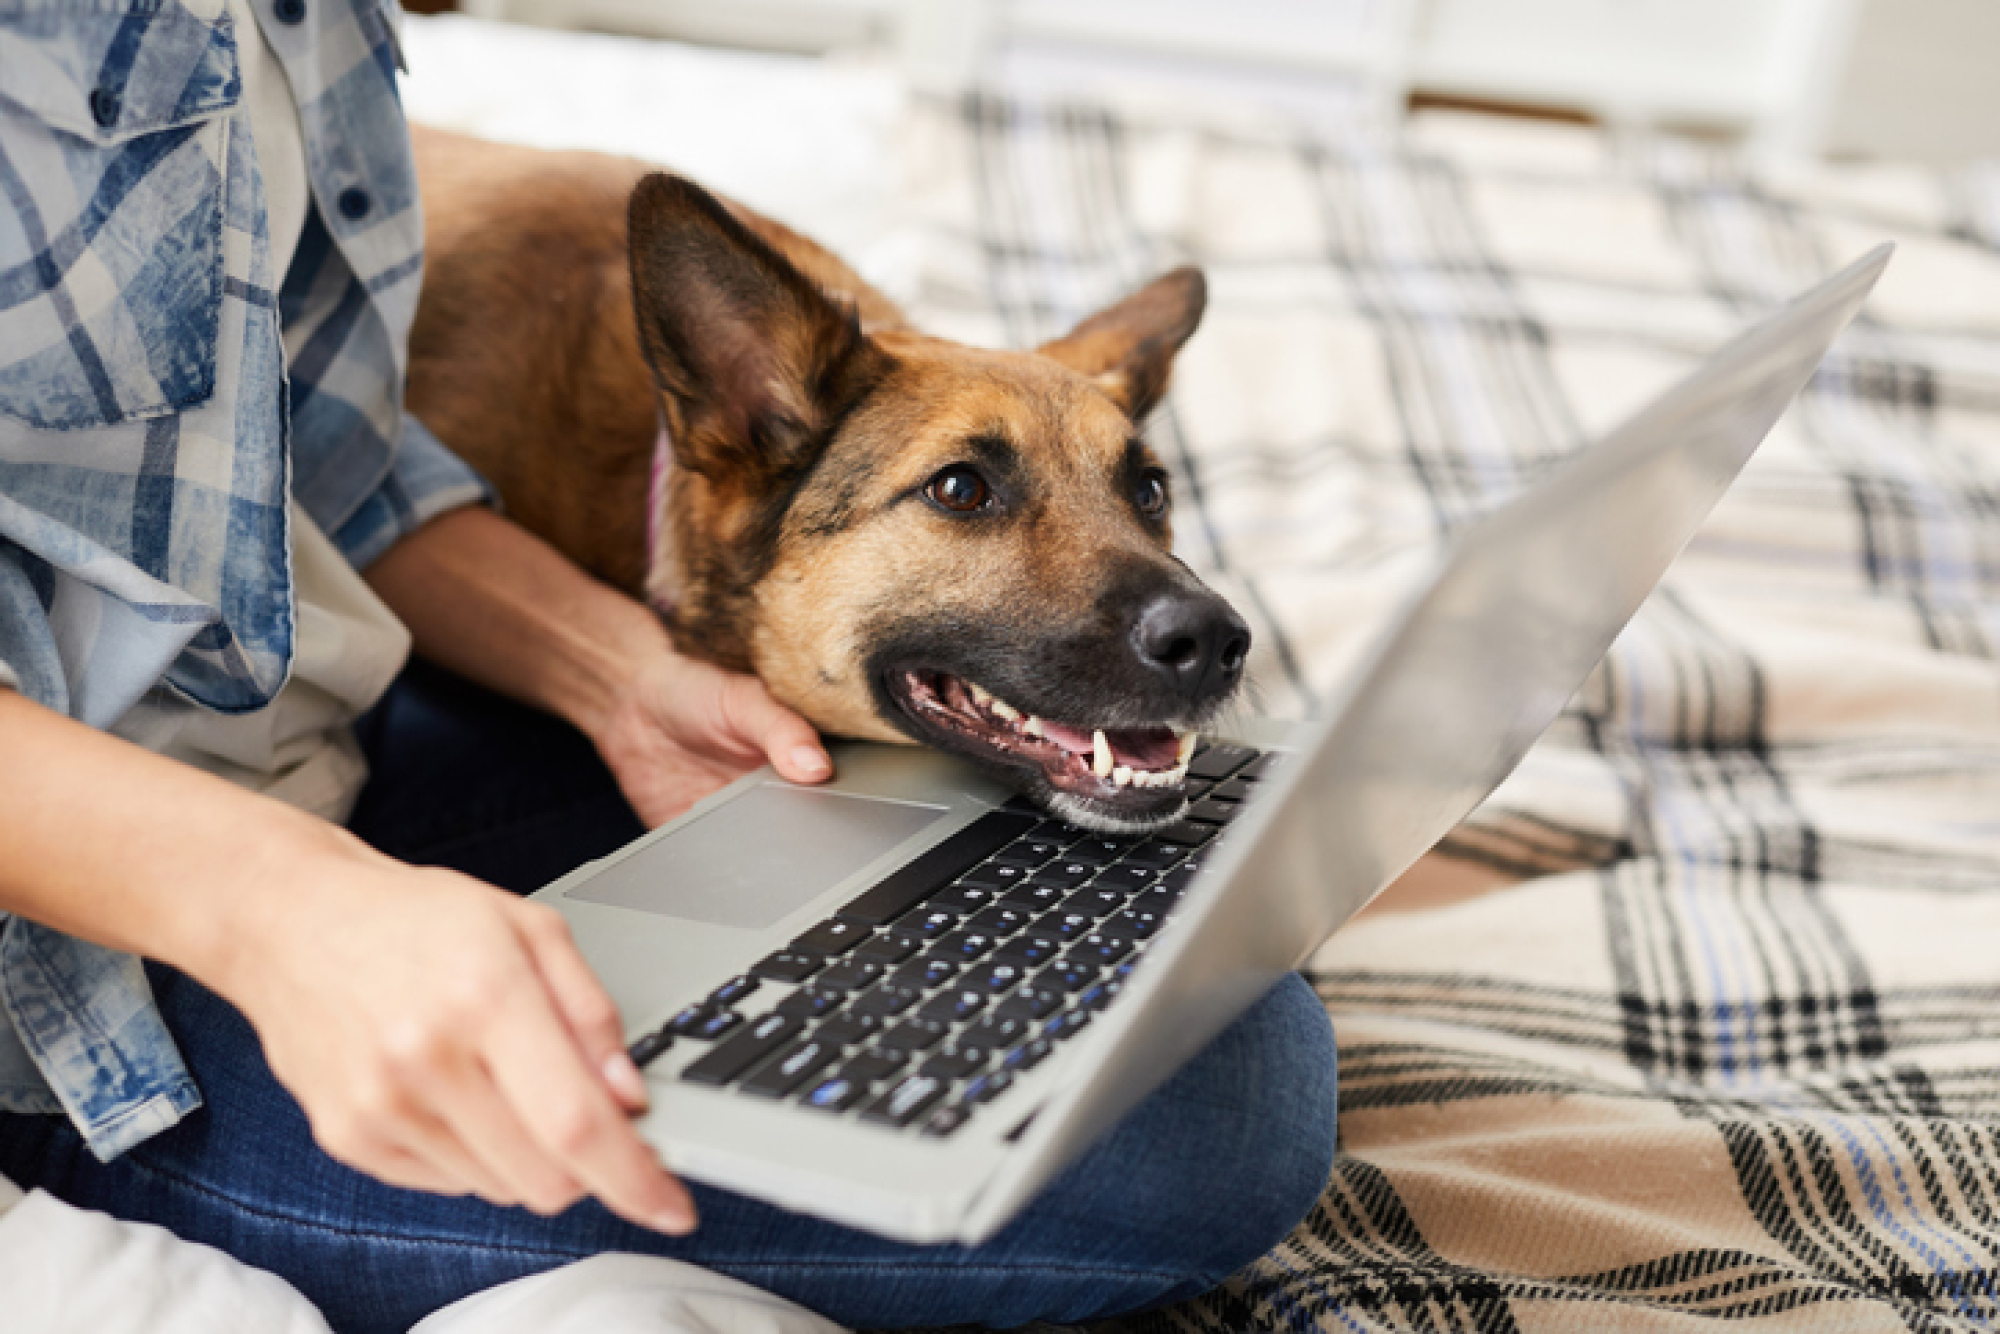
[680,729]
[445,1036]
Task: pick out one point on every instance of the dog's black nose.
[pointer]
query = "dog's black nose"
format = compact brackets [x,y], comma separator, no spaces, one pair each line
[1194,640]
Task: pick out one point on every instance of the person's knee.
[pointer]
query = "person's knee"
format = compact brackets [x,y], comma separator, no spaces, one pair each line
[1269,1111]
[1216,1167]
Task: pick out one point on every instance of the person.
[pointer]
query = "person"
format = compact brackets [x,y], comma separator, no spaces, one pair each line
[347,1054]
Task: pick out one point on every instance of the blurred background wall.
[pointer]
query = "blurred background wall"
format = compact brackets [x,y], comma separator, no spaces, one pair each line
[1792,79]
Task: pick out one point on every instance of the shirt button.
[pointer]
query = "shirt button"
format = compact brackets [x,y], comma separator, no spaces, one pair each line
[355,203]
[104,107]
[290,11]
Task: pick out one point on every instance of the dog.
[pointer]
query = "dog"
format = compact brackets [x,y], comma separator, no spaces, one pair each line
[906,538]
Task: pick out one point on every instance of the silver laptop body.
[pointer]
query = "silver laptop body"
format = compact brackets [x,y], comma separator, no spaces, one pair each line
[1479,662]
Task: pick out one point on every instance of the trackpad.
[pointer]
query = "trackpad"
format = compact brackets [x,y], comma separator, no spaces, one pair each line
[762,854]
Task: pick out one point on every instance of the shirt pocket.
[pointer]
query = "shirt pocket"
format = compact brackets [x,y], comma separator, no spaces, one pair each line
[114,124]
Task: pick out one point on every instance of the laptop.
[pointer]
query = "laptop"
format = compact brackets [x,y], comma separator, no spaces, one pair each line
[905,1000]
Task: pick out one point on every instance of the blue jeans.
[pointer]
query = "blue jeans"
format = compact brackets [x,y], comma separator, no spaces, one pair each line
[1207,1174]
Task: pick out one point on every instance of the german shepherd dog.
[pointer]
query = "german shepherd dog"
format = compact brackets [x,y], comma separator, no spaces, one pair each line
[905,538]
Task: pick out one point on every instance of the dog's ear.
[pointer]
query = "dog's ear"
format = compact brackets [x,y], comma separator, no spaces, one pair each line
[753,360]
[1129,348]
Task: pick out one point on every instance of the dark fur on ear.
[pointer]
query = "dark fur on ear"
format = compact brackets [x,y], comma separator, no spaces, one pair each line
[1129,348]
[754,363]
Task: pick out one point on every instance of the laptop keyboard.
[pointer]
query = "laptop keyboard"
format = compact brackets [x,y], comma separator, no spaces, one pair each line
[919,1003]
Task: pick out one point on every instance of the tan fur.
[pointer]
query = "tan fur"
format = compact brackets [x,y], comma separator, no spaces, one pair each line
[525,359]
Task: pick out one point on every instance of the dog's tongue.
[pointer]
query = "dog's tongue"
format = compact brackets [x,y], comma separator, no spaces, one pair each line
[1139,747]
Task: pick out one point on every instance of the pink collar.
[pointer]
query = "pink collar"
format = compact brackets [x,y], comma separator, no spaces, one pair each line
[660,591]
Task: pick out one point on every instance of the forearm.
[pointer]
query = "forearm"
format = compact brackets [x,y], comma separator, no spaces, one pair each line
[111,843]
[494,603]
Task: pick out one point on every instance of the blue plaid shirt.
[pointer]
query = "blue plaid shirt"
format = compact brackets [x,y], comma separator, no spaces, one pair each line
[151,429]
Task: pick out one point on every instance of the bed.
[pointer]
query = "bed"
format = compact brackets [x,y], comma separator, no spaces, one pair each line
[1698,1017]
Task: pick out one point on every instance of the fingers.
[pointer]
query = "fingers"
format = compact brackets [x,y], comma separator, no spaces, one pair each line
[787,740]
[583,1004]
[539,1068]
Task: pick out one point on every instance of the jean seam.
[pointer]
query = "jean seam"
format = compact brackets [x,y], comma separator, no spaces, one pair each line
[270,1215]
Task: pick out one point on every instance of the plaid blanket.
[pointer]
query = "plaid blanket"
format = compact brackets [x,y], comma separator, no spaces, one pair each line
[1698,1018]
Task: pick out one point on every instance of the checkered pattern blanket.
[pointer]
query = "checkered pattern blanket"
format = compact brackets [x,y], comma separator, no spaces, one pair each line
[1698,1018]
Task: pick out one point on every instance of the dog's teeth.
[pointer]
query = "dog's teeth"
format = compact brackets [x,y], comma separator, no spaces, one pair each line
[1003,709]
[1175,776]
[1032,727]
[1100,752]
[980,694]
[1122,775]
[1188,740]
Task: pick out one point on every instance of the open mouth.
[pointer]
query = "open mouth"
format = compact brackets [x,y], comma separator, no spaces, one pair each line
[1125,779]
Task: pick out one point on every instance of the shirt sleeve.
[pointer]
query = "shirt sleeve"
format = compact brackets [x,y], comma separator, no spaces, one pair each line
[425,480]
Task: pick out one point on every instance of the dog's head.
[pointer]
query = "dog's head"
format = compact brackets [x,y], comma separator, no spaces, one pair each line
[908,538]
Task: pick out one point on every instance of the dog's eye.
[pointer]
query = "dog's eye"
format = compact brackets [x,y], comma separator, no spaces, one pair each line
[960,489]
[1150,495]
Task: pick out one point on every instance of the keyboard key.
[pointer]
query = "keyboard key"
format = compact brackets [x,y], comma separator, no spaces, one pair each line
[1217,761]
[1056,832]
[882,1001]
[1156,856]
[650,1047]
[790,1067]
[1210,811]
[1030,948]
[831,937]
[1194,789]
[925,973]
[916,1034]
[945,1120]
[905,1102]
[889,947]
[1100,948]
[1159,900]
[999,921]
[1186,833]
[1065,925]
[986,1088]
[872,1067]
[1028,852]
[834,1095]
[953,1063]
[995,977]
[787,966]
[1028,1055]
[1178,878]
[1065,874]
[964,899]
[1069,975]
[994,1031]
[1033,1002]
[994,875]
[953,1006]
[1128,878]
[688,1021]
[1263,765]
[1033,896]
[1099,848]
[1097,900]
[717,1024]
[809,1003]
[753,1044]
[929,924]
[1236,789]
[1064,1024]
[1134,923]
[963,945]
[844,1030]
[848,974]
[1098,996]
[936,867]
[735,989]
